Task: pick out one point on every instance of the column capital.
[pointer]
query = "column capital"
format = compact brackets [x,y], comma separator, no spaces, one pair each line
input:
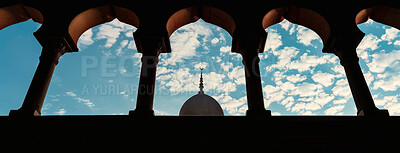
[249,43]
[250,58]
[347,56]
[52,51]
[150,44]
[345,49]
[63,42]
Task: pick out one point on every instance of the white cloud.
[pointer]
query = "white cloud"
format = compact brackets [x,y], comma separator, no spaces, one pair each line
[86,38]
[304,112]
[214,41]
[71,94]
[161,113]
[305,36]
[112,30]
[276,114]
[323,98]
[397,43]
[326,79]
[272,94]
[226,66]
[132,45]
[200,65]
[284,57]
[285,24]
[301,107]
[237,75]
[369,21]
[370,41]
[185,41]
[288,102]
[391,83]
[306,89]
[108,32]
[334,110]
[340,101]
[382,60]
[385,100]
[342,89]
[278,76]
[123,44]
[390,35]
[313,98]
[225,49]
[292,29]
[179,81]
[393,108]
[61,111]
[182,80]
[296,78]
[274,40]
[163,70]
[306,62]
[390,103]
[231,105]
[87,102]
[369,77]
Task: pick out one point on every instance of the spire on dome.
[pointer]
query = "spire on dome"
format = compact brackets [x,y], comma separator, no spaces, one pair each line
[201,81]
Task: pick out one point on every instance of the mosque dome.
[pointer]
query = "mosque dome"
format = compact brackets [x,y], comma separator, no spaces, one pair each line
[201,104]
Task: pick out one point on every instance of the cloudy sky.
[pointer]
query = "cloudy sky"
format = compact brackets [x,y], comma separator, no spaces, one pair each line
[297,78]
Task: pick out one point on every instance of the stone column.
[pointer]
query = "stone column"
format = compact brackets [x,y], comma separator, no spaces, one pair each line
[145,96]
[255,100]
[36,94]
[359,88]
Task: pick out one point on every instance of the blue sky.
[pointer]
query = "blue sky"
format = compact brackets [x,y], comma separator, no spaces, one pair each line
[297,78]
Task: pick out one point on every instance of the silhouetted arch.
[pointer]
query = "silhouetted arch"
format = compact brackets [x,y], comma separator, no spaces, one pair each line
[18,13]
[208,14]
[301,16]
[99,15]
[382,14]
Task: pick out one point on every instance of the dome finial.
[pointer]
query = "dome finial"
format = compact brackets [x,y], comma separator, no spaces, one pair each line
[201,81]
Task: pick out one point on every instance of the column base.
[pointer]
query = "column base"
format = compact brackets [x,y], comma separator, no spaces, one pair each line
[141,113]
[373,113]
[258,113]
[25,112]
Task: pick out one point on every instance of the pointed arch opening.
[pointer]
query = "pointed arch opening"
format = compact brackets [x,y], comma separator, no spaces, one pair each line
[301,16]
[200,36]
[208,14]
[379,54]
[99,15]
[304,80]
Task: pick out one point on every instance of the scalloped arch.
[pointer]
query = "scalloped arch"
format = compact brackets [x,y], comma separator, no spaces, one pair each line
[99,15]
[208,14]
[380,13]
[301,16]
[18,13]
